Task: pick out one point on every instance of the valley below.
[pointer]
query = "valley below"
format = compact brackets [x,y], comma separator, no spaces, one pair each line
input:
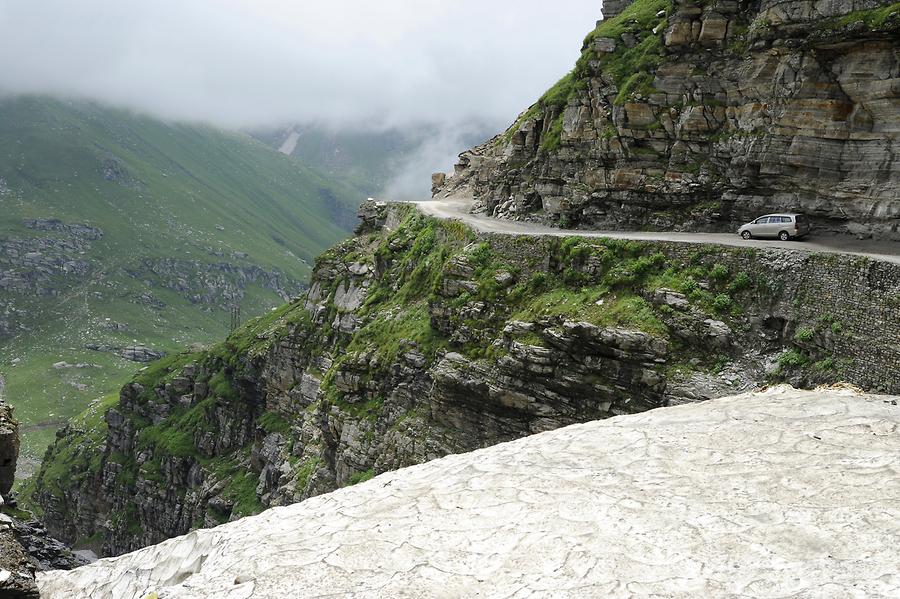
[123,239]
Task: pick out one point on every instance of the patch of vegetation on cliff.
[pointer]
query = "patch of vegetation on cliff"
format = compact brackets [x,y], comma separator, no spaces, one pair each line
[594,305]
[631,68]
[554,99]
[361,477]
[305,470]
[255,337]
[240,487]
[874,19]
[640,15]
[273,422]
[571,289]
[176,434]
[162,371]
[389,333]
[606,294]
[359,410]
[75,456]
[79,455]
[395,312]
[605,282]
[553,137]
[811,358]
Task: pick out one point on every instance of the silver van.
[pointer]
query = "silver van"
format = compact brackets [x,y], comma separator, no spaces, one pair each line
[781,226]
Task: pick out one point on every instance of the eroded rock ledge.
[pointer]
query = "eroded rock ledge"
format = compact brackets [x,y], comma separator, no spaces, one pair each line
[420,338]
[764,494]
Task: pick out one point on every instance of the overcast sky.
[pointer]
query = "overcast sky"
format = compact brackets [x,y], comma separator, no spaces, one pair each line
[244,63]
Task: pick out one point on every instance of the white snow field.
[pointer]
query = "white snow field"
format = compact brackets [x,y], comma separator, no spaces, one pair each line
[783,493]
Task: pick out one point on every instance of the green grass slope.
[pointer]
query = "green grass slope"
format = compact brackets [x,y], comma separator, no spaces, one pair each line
[180,207]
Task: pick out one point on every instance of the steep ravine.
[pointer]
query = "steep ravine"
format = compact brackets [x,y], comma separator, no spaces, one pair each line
[701,115]
[420,338]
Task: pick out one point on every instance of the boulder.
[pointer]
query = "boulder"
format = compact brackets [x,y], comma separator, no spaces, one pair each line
[139,353]
[437,182]
[673,299]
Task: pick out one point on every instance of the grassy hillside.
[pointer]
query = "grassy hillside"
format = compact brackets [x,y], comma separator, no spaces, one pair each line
[163,228]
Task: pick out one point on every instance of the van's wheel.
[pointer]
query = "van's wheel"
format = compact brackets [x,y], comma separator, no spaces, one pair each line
[746,235]
[784,236]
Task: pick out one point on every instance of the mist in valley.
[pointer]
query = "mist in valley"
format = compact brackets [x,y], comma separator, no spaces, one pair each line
[456,72]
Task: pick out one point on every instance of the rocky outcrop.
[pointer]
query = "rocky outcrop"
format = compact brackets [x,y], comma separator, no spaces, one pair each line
[43,265]
[9,445]
[73,230]
[604,509]
[613,8]
[16,571]
[139,353]
[702,115]
[221,284]
[54,262]
[25,547]
[420,338]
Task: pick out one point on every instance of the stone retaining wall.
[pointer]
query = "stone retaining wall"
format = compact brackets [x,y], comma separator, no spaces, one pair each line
[850,303]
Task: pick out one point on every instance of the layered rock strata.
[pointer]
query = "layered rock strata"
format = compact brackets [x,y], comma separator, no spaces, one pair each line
[703,115]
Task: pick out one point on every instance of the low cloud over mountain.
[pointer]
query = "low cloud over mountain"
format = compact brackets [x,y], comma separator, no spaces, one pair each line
[250,63]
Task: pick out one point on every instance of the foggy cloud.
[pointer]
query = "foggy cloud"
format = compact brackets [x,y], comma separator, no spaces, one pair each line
[245,63]
[256,63]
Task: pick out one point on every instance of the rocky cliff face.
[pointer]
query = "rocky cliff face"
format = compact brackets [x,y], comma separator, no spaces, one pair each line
[24,546]
[702,115]
[41,266]
[9,445]
[53,262]
[420,338]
